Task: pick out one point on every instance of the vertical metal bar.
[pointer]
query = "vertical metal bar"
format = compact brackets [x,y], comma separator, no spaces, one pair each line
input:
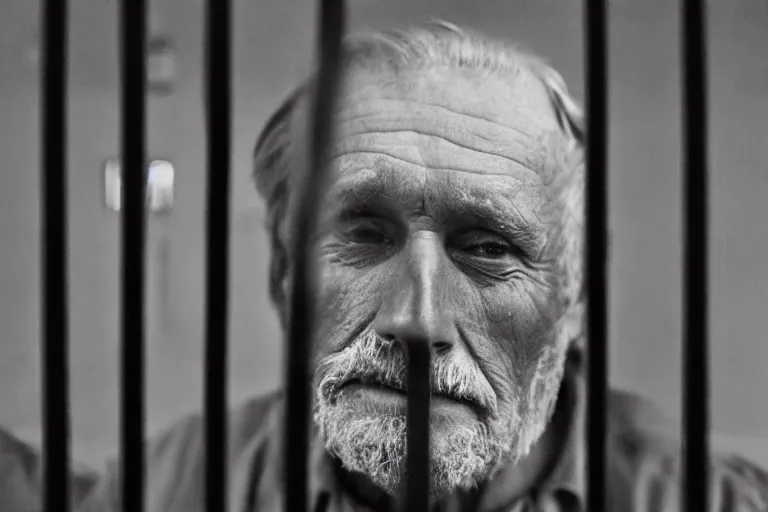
[133,36]
[695,275]
[419,393]
[596,40]
[55,375]
[302,326]
[218,90]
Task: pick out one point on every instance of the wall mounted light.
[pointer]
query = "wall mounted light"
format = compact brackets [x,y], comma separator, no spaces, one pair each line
[160,185]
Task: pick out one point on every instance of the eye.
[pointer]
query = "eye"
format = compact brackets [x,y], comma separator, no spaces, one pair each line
[490,250]
[486,246]
[368,236]
[366,232]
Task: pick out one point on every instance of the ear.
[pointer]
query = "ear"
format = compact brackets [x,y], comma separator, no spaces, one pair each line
[279,264]
[570,115]
[278,285]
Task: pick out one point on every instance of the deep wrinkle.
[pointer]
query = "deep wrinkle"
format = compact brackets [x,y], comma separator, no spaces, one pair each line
[457,94]
[431,232]
[534,305]
[448,136]
[361,107]
[378,191]
[370,193]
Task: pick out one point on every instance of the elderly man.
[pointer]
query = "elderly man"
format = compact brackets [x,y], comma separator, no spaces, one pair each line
[454,216]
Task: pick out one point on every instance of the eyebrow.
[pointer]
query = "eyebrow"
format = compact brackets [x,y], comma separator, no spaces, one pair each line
[381,191]
[520,227]
[366,188]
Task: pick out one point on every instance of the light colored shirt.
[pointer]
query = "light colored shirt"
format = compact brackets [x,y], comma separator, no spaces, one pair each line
[643,468]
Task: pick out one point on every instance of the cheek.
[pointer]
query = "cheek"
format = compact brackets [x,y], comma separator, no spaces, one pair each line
[346,306]
[519,323]
[542,382]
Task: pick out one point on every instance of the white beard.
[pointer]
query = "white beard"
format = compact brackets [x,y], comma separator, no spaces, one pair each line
[461,456]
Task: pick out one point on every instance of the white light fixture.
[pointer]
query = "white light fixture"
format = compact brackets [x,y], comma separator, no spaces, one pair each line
[160,185]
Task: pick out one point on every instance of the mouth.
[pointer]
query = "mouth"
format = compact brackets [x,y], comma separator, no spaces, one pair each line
[394,397]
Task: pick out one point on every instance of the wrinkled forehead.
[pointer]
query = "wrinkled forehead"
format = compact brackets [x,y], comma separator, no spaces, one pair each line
[506,114]
[517,101]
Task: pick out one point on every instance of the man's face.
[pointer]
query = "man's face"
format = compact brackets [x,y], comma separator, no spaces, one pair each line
[433,230]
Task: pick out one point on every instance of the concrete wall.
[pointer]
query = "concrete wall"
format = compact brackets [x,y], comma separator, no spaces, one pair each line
[274,49]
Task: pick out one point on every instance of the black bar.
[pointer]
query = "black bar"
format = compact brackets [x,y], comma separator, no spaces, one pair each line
[595,17]
[301,330]
[419,394]
[134,193]
[218,64]
[55,375]
[695,275]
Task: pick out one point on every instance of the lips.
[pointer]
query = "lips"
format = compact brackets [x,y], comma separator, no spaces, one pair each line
[375,383]
[400,390]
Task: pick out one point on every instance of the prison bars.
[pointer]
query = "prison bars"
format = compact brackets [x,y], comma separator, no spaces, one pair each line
[331,21]
[218,111]
[134,178]
[417,426]
[54,346]
[55,375]
[596,243]
[695,450]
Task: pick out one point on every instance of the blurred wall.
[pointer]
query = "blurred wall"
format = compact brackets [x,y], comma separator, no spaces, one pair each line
[274,49]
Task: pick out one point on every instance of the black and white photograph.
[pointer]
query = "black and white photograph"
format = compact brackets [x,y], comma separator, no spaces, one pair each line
[383,256]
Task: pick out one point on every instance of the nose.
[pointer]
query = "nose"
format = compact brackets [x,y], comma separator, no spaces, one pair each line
[416,305]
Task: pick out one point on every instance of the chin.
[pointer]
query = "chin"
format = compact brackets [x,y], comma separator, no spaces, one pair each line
[363,421]
[369,437]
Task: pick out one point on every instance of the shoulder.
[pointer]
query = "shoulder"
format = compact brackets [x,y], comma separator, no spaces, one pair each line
[645,463]
[20,477]
[185,437]
[175,459]
[21,480]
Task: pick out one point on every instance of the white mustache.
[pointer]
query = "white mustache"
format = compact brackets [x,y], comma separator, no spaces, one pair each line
[369,359]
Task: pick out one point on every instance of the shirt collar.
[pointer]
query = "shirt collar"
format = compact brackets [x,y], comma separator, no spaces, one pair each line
[257,482]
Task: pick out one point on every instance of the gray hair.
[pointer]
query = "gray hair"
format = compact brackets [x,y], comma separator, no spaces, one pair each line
[434,45]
